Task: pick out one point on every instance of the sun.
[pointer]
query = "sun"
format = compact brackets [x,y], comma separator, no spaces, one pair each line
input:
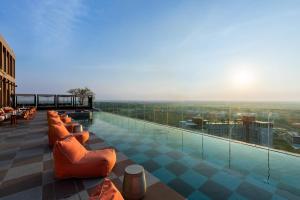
[243,78]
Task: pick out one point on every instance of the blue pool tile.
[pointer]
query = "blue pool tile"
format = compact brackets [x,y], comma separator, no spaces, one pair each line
[139,158]
[189,161]
[215,190]
[251,191]
[227,180]
[164,175]
[175,155]
[151,165]
[164,149]
[181,186]
[262,182]
[236,196]
[152,153]
[143,147]
[177,168]
[187,150]
[205,169]
[193,178]
[277,197]
[198,196]
[122,147]
[163,160]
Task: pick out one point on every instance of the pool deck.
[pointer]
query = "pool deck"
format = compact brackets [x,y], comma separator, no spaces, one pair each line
[26,166]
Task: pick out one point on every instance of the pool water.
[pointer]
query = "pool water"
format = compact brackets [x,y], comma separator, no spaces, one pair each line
[199,166]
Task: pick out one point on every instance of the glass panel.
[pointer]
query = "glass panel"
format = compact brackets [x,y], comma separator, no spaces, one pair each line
[25,100]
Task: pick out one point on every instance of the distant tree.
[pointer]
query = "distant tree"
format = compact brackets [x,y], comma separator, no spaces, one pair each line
[81,93]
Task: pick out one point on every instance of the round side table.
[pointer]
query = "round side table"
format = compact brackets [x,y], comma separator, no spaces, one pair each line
[134,183]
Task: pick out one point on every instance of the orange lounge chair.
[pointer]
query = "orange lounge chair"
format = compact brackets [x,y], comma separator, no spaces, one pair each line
[59,132]
[63,117]
[2,115]
[72,160]
[56,120]
[106,191]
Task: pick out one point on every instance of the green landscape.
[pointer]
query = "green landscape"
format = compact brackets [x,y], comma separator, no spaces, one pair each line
[285,116]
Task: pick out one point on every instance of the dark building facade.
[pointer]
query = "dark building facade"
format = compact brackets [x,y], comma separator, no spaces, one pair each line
[7,73]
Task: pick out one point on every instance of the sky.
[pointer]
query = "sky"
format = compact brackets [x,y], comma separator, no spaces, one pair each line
[157,50]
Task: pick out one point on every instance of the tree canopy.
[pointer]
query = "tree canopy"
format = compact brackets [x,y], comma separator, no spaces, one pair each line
[81,93]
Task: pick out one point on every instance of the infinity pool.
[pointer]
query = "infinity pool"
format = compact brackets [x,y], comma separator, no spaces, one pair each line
[199,166]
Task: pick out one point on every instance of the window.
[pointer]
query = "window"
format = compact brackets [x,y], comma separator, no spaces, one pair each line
[14,68]
[4,56]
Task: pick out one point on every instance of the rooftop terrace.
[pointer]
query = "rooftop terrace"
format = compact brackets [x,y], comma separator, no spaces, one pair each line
[201,166]
[26,166]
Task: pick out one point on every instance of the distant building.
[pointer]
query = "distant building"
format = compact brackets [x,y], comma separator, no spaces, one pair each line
[7,73]
[246,129]
[293,138]
[199,121]
[189,124]
[247,120]
[261,133]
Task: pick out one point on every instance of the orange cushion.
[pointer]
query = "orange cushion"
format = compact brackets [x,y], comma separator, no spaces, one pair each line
[57,132]
[51,113]
[54,120]
[71,149]
[106,191]
[66,119]
[71,159]
[82,137]
[8,109]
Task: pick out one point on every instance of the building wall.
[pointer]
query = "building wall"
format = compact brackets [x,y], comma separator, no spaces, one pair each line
[7,73]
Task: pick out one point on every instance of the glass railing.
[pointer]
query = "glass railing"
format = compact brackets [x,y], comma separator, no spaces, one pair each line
[126,130]
[266,125]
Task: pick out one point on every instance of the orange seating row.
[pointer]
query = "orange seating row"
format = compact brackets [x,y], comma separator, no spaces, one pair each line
[73,160]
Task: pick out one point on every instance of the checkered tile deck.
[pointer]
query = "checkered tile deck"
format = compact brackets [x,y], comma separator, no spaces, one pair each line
[183,171]
[26,166]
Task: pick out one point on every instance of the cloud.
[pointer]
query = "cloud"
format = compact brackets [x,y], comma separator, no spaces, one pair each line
[55,20]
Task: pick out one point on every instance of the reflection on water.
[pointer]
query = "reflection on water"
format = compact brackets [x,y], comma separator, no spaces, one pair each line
[273,168]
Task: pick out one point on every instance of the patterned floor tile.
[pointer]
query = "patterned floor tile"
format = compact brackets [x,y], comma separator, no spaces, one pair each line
[177,168]
[23,170]
[205,169]
[121,157]
[139,158]
[194,179]
[236,196]
[165,175]
[33,193]
[152,153]
[163,160]
[175,155]
[130,152]
[215,191]
[181,187]
[27,160]
[227,180]
[189,161]
[251,191]
[161,191]
[64,188]
[198,196]
[20,184]
[151,165]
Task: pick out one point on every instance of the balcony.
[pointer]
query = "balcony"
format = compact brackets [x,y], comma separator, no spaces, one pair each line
[188,153]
